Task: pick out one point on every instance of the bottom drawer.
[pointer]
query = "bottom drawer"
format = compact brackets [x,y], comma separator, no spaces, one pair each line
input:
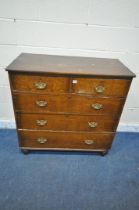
[65,140]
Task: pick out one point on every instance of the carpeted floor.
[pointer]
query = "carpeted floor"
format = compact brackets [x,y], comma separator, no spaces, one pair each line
[69,180]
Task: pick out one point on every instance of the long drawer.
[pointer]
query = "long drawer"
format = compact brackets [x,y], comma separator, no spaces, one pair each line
[66,122]
[83,140]
[50,84]
[67,103]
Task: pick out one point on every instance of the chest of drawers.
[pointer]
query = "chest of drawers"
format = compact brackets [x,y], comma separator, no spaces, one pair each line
[67,103]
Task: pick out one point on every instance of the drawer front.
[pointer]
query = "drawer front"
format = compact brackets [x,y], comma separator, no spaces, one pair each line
[43,139]
[101,87]
[67,104]
[39,84]
[66,122]
[47,84]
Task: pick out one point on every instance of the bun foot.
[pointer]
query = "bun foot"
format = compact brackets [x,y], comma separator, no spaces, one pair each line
[104,153]
[25,151]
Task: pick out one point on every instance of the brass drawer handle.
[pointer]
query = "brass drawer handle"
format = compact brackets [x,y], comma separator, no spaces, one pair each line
[89,142]
[97,106]
[41,103]
[92,124]
[42,140]
[99,89]
[41,122]
[40,85]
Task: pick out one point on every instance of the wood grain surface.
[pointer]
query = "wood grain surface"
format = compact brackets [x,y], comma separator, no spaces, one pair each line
[54,64]
[65,140]
[112,87]
[67,122]
[66,104]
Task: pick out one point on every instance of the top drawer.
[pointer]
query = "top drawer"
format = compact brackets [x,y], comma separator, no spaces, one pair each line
[101,87]
[39,84]
[80,85]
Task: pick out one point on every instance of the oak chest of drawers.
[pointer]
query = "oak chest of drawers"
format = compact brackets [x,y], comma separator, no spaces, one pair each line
[67,103]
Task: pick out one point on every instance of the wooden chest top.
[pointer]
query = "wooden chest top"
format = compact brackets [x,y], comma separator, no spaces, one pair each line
[67,65]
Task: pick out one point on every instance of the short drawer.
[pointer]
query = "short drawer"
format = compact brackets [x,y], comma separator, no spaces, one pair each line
[66,122]
[67,104]
[101,87]
[74,140]
[39,84]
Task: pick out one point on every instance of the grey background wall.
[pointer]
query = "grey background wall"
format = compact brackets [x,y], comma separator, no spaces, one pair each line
[104,28]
